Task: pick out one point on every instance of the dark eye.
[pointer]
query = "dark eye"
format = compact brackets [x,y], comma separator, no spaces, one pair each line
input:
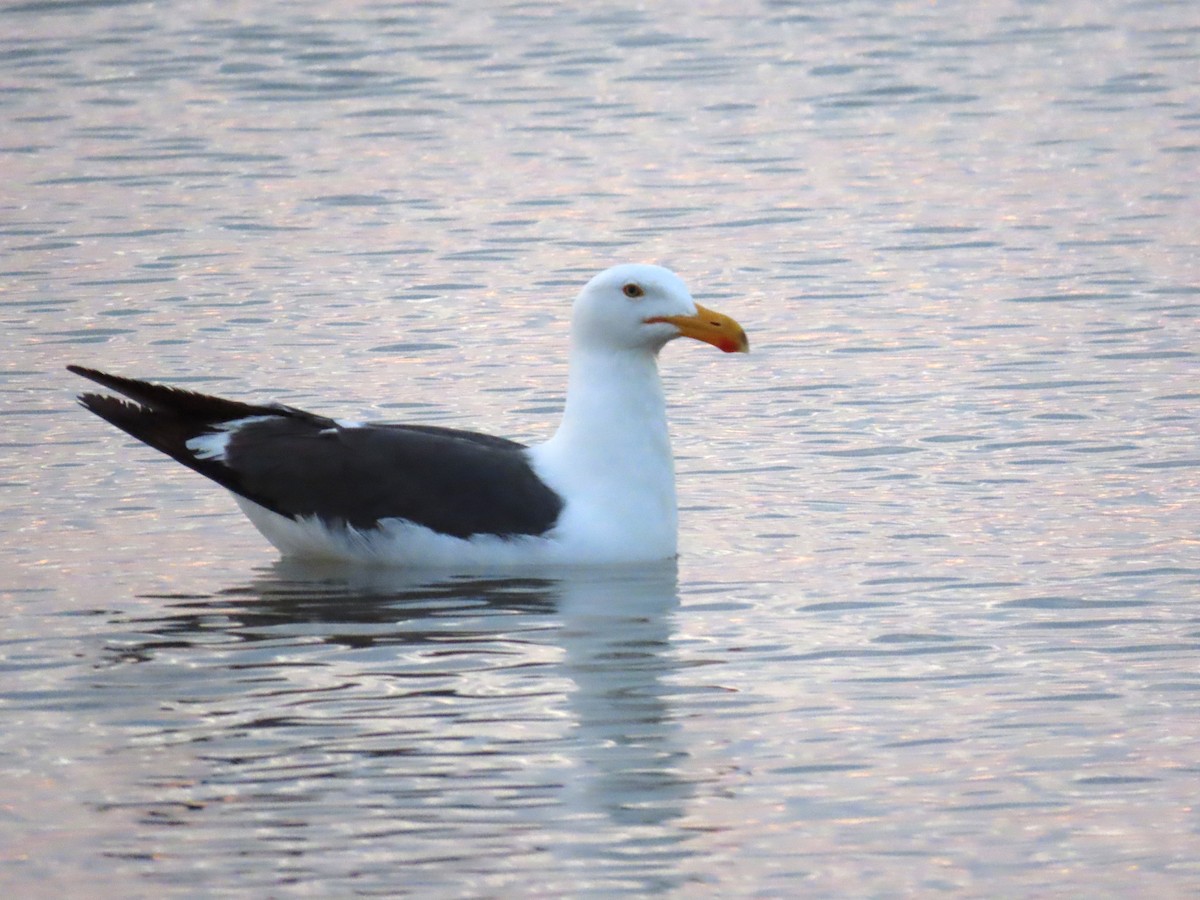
[633,290]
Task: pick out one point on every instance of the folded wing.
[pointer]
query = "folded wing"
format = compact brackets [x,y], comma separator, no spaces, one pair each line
[298,464]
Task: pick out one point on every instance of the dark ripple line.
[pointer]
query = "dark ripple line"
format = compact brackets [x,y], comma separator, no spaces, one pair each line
[864,653]
[1143,573]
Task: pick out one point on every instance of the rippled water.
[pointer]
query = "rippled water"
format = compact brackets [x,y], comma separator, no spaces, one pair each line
[934,628]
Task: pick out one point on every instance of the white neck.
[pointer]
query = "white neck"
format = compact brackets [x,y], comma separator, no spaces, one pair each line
[613,398]
[611,456]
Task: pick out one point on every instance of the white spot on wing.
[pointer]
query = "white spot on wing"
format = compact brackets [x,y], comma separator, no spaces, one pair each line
[340,425]
[209,446]
[213,444]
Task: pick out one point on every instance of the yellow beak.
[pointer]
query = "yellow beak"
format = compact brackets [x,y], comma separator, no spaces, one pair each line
[712,328]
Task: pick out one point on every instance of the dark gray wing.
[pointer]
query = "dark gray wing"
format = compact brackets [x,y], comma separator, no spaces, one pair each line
[454,482]
[295,463]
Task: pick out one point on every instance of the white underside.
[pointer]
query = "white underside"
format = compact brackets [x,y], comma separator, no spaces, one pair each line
[397,542]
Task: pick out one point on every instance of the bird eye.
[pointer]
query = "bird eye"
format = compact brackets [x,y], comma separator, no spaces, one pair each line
[633,290]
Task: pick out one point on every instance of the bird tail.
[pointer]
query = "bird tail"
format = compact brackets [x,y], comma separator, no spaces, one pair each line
[167,418]
[161,398]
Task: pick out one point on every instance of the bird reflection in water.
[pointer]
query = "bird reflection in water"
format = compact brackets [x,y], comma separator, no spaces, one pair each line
[560,682]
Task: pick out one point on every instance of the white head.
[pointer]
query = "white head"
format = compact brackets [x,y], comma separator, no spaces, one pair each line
[640,307]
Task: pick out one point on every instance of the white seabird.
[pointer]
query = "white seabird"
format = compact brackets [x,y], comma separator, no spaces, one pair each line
[601,490]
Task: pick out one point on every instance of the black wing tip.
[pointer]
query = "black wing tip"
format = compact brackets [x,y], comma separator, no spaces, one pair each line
[85,372]
[90,399]
[188,404]
[124,414]
[88,372]
[112,382]
[94,402]
[105,406]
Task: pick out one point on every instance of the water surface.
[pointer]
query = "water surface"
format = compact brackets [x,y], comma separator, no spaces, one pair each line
[935,623]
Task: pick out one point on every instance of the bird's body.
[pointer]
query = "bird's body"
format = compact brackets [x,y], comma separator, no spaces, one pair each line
[601,490]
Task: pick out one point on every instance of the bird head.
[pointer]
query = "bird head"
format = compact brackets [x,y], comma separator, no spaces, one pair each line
[642,307]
